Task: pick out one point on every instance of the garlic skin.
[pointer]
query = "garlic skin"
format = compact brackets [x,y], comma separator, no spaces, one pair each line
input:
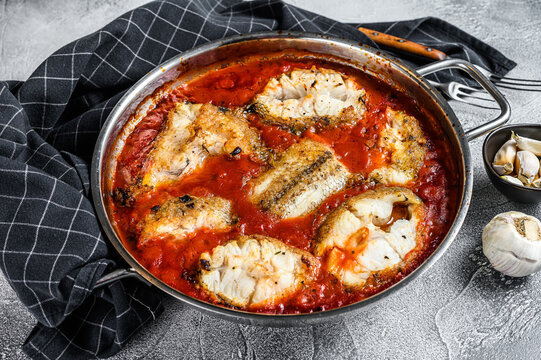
[527,165]
[503,169]
[512,243]
[536,183]
[512,180]
[527,144]
[505,157]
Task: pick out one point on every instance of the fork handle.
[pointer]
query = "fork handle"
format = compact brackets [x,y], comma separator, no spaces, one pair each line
[404,45]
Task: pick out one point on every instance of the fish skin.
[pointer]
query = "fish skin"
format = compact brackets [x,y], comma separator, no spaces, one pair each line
[254,271]
[300,180]
[303,98]
[181,217]
[358,247]
[194,132]
[405,138]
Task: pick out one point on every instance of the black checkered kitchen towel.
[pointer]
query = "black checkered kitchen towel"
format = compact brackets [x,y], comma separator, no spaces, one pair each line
[52,249]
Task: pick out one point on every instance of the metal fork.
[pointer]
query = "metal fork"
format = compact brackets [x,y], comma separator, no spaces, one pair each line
[510,82]
[464,93]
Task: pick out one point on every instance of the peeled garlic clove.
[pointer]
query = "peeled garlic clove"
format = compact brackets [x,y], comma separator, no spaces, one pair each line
[536,183]
[512,179]
[527,166]
[505,157]
[505,169]
[512,243]
[524,143]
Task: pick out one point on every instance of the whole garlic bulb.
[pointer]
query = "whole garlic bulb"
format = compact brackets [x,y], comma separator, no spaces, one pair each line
[512,243]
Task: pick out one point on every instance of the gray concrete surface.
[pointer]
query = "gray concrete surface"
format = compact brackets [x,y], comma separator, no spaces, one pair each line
[459,309]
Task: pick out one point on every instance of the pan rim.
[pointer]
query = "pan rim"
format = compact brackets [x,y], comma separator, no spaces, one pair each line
[277,319]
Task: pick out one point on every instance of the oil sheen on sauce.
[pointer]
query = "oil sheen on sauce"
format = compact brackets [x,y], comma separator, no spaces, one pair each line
[226,176]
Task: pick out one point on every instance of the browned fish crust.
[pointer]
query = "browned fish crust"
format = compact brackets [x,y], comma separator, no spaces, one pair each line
[305,98]
[182,216]
[302,178]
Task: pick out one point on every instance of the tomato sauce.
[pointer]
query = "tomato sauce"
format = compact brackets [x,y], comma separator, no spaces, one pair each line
[176,263]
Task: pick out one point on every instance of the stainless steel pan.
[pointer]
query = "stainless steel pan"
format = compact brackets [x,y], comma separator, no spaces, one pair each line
[142,97]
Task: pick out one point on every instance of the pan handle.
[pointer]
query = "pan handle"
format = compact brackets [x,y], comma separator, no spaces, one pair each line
[117,275]
[505,109]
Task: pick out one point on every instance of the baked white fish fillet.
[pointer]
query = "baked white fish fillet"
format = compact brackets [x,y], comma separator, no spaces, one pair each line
[183,216]
[300,180]
[302,98]
[253,271]
[358,246]
[194,132]
[405,138]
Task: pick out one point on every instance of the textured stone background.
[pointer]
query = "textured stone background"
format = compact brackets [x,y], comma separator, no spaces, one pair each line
[459,309]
